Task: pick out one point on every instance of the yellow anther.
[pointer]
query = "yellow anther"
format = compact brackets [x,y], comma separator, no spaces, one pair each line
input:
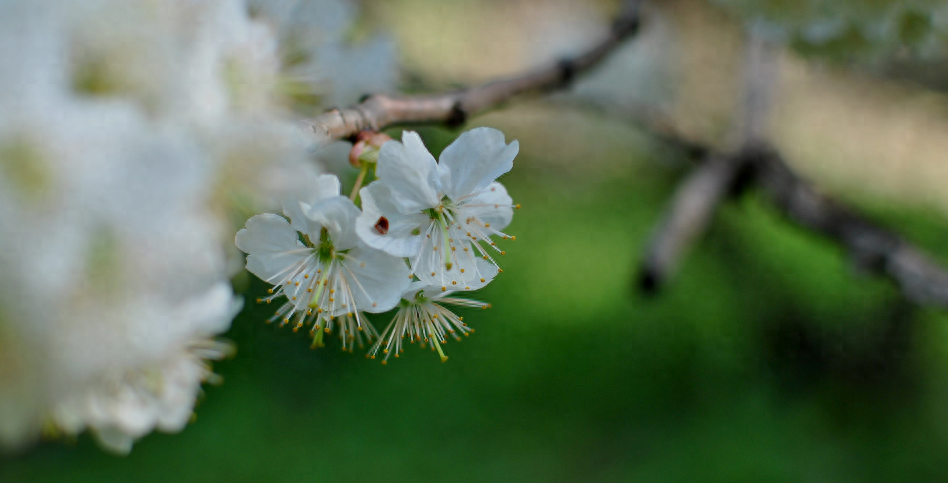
[462,270]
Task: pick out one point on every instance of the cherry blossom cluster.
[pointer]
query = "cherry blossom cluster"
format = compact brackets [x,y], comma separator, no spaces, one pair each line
[425,232]
[136,137]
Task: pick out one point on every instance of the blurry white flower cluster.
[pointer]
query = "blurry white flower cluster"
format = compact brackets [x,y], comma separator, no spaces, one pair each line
[426,230]
[133,133]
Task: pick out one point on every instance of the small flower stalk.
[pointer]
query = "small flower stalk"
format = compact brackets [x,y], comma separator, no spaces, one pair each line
[425,231]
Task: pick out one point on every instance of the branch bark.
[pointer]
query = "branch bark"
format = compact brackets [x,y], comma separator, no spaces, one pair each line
[872,247]
[378,111]
[688,215]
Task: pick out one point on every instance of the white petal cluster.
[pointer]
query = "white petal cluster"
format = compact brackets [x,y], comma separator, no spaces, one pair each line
[425,231]
[442,215]
[320,269]
[133,136]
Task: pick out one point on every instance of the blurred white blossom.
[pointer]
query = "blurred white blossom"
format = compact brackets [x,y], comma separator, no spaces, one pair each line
[135,136]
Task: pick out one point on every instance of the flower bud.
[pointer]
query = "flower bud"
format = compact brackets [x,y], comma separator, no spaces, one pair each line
[356,151]
[366,148]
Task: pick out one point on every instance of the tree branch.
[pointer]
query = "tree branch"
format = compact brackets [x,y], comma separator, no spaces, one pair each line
[687,216]
[698,196]
[874,248]
[377,112]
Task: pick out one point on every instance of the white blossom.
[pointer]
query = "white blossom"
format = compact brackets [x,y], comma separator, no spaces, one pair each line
[118,269]
[113,266]
[422,317]
[318,263]
[441,215]
[319,68]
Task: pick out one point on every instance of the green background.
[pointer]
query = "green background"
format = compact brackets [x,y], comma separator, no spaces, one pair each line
[768,358]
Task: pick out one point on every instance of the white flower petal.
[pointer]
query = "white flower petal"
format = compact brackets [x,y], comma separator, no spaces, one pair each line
[381,277]
[337,215]
[403,235]
[113,439]
[411,173]
[474,160]
[468,268]
[324,186]
[493,205]
[271,245]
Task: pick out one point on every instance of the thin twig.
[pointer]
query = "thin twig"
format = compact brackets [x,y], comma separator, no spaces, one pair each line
[688,215]
[377,112]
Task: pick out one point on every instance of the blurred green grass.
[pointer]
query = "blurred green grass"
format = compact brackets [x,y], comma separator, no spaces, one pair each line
[767,359]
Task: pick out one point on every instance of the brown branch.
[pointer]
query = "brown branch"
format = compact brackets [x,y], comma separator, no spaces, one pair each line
[377,112]
[872,247]
[876,249]
[689,213]
[698,196]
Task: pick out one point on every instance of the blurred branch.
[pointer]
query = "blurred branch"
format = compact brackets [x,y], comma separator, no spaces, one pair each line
[698,196]
[688,214]
[756,164]
[874,248]
[378,111]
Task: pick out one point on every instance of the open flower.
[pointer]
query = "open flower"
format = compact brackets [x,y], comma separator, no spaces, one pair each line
[319,264]
[422,317]
[441,215]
